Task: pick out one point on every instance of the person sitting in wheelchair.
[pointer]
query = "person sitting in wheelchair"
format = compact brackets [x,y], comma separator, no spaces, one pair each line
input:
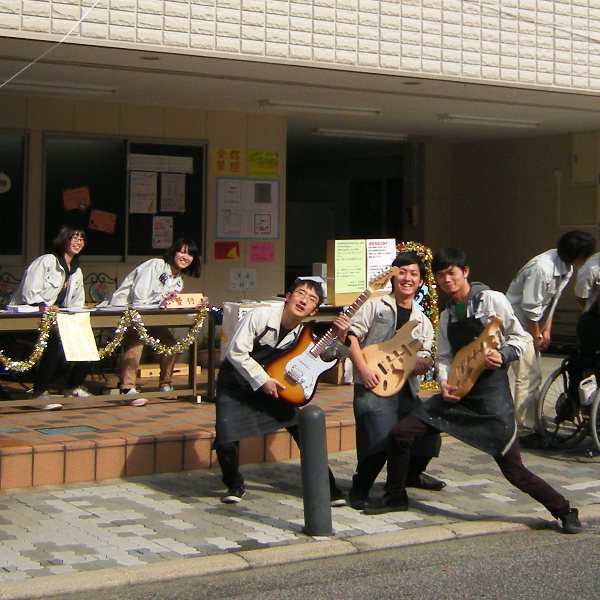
[586,360]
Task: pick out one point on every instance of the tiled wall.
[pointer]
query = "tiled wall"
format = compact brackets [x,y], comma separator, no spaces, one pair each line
[528,42]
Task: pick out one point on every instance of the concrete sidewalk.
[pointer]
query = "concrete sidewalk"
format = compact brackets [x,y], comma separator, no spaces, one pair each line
[56,540]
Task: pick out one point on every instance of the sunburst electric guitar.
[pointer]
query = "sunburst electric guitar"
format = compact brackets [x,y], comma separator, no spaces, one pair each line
[393,360]
[469,361]
[300,367]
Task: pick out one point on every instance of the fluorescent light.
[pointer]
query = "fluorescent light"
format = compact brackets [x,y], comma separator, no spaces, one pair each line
[487,121]
[361,134]
[59,88]
[291,106]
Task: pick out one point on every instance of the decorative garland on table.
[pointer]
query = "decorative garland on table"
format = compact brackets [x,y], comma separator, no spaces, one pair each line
[427,299]
[130,319]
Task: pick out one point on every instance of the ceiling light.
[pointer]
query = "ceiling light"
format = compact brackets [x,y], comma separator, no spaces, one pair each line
[389,136]
[59,88]
[488,121]
[286,106]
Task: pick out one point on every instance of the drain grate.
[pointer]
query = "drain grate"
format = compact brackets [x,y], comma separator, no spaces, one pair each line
[66,430]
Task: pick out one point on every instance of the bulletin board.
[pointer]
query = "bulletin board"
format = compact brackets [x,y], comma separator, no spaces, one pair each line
[173,176]
[88,185]
[247,209]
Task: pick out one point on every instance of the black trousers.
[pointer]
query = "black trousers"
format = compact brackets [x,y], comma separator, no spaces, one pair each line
[229,460]
[52,358]
[368,469]
[409,429]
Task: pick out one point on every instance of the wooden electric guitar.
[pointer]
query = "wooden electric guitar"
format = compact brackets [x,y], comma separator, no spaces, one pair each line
[300,367]
[469,361]
[393,360]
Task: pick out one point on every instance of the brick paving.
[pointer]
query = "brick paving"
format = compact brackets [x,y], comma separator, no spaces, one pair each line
[152,519]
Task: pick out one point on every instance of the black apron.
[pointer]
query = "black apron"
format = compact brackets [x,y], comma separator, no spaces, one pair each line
[484,418]
[242,412]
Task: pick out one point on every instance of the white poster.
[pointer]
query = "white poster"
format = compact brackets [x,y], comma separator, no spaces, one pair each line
[380,255]
[247,209]
[172,192]
[77,337]
[162,232]
[142,192]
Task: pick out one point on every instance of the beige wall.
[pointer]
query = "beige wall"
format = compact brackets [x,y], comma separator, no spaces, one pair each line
[516,42]
[36,115]
[504,202]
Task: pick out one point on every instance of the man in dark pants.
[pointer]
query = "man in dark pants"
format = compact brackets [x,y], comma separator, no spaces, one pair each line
[247,396]
[484,417]
[378,321]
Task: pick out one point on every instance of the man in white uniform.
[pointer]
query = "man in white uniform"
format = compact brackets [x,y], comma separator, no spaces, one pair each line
[534,293]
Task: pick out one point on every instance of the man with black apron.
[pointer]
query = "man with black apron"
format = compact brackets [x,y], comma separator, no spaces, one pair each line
[377,321]
[484,417]
[247,397]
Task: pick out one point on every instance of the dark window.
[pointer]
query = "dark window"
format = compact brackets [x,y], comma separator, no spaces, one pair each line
[12,192]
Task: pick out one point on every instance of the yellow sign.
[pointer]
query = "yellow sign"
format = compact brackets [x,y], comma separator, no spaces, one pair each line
[263,163]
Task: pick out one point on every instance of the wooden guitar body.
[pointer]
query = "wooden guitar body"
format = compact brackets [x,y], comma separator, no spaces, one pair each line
[299,369]
[393,360]
[468,363]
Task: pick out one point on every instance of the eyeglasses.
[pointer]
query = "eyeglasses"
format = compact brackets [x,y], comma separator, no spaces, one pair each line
[77,236]
[307,297]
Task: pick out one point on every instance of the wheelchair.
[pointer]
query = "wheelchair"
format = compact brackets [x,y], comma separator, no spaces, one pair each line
[562,421]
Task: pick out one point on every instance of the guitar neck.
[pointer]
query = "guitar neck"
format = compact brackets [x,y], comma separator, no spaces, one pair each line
[325,340]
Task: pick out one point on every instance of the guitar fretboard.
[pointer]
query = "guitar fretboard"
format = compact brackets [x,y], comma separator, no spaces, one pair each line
[330,336]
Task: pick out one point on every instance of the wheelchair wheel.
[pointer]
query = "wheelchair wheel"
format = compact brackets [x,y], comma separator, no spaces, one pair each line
[595,420]
[559,418]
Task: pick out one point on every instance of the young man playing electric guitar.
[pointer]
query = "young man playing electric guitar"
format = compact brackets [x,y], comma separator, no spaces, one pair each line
[378,321]
[484,416]
[248,402]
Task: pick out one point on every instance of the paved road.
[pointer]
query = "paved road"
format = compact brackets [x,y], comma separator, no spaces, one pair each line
[532,565]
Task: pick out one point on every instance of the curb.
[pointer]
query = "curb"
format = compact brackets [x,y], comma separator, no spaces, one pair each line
[265,557]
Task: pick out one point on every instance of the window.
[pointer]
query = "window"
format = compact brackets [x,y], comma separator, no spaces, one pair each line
[12,192]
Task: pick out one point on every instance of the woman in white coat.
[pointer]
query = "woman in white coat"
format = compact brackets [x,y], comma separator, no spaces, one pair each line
[55,280]
[148,285]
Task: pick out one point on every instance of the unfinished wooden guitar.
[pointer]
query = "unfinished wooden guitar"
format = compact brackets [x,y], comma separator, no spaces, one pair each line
[469,361]
[393,360]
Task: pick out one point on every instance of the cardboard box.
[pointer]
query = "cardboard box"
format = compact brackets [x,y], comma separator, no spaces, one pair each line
[153,370]
[335,375]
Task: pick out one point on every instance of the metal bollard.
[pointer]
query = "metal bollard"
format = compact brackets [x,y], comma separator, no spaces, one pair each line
[315,472]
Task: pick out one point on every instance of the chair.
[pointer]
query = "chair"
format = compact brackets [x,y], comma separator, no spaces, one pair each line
[99,287]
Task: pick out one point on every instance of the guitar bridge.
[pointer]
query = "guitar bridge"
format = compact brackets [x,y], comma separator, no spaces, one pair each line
[294,375]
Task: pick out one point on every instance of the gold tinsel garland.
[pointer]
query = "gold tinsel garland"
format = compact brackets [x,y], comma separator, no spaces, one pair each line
[130,318]
[430,299]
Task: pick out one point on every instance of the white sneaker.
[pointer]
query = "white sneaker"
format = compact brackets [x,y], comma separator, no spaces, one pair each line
[136,401]
[55,406]
[166,388]
[78,392]
[45,395]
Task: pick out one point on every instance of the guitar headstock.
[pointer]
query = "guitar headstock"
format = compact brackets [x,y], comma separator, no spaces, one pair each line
[380,280]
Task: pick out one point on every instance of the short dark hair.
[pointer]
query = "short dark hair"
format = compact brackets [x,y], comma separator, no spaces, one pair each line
[65,233]
[448,257]
[311,284]
[575,245]
[193,269]
[410,257]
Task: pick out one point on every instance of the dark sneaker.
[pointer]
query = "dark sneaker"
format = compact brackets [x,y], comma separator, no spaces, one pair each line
[426,482]
[358,499]
[233,495]
[338,499]
[387,503]
[571,522]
